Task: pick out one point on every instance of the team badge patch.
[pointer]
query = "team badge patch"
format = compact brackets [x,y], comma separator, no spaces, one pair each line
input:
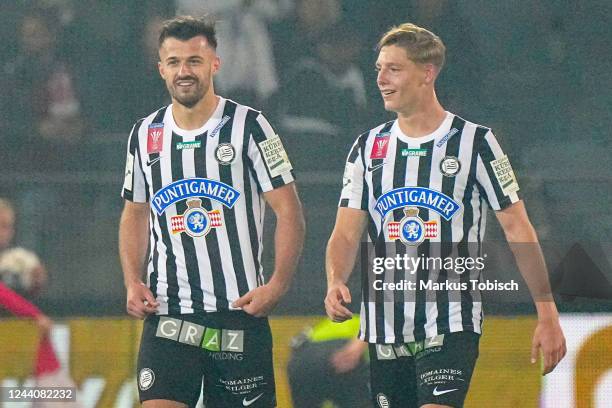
[450,166]
[380,146]
[155,138]
[225,154]
[411,230]
[146,378]
[196,221]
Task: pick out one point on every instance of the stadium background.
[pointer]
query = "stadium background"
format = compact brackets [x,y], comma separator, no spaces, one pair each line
[537,72]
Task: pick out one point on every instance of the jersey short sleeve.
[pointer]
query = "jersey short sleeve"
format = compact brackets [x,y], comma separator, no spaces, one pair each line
[495,175]
[354,193]
[269,159]
[134,183]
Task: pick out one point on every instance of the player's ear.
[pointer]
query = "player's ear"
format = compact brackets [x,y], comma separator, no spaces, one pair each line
[216,64]
[160,68]
[431,72]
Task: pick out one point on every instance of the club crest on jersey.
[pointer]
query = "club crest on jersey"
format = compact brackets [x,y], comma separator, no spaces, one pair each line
[380,146]
[417,197]
[196,221]
[194,188]
[225,154]
[412,230]
[450,166]
[155,138]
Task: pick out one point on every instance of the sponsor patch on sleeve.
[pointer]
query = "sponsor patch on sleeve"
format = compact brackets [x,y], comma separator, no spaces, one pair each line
[129,172]
[275,157]
[505,175]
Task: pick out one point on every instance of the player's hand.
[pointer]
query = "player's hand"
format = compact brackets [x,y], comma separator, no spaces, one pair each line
[140,300]
[348,357]
[260,301]
[338,295]
[44,324]
[548,337]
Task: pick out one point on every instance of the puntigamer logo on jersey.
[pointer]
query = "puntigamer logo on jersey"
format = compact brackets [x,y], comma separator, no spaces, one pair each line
[412,230]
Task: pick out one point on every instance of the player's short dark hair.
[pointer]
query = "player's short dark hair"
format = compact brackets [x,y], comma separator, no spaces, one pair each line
[186,27]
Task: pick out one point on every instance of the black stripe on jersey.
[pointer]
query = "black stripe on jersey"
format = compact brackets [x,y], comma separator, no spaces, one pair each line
[380,249]
[446,232]
[487,157]
[467,302]
[133,149]
[154,257]
[249,174]
[259,136]
[399,180]
[420,311]
[187,242]
[212,240]
[229,214]
[156,179]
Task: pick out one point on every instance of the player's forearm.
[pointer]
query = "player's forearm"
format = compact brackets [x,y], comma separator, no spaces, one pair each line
[530,261]
[133,243]
[288,244]
[340,258]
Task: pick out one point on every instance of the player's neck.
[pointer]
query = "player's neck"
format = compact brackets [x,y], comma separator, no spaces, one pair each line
[424,119]
[195,117]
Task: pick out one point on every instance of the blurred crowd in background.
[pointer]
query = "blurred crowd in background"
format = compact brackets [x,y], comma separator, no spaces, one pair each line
[76,74]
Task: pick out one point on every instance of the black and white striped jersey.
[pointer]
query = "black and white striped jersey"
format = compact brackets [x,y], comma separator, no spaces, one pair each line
[426,197]
[205,191]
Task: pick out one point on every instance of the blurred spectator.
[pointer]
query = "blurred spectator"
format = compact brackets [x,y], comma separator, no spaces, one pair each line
[328,363]
[41,101]
[245,48]
[322,102]
[297,36]
[20,269]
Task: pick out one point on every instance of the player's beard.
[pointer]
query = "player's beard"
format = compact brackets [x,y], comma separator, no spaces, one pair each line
[192,97]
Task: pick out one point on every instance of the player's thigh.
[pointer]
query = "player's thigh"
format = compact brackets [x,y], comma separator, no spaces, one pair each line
[392,377]
[241,372]
[444,372]
[167,370]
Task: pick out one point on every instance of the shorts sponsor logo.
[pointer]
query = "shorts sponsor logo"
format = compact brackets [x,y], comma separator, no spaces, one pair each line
[441,376]
[412,230]
[155,138]
[225,154]
[215,340]
[383,401]
[243,386]
[146,378]
[450,166]
[385,352]
[196,221]
[275,157]
[421,197]
[505,175]
[194,188]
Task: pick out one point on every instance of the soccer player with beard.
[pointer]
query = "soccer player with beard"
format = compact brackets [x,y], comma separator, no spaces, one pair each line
[198,175]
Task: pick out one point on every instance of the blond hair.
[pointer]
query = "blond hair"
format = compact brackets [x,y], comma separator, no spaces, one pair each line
[422,45]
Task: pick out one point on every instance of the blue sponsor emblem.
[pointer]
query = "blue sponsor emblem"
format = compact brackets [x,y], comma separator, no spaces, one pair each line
[196,221]
[412,230]
[194,187]
[417,197]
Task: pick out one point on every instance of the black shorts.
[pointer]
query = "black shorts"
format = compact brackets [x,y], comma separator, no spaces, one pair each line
[228,354]
[437,370]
